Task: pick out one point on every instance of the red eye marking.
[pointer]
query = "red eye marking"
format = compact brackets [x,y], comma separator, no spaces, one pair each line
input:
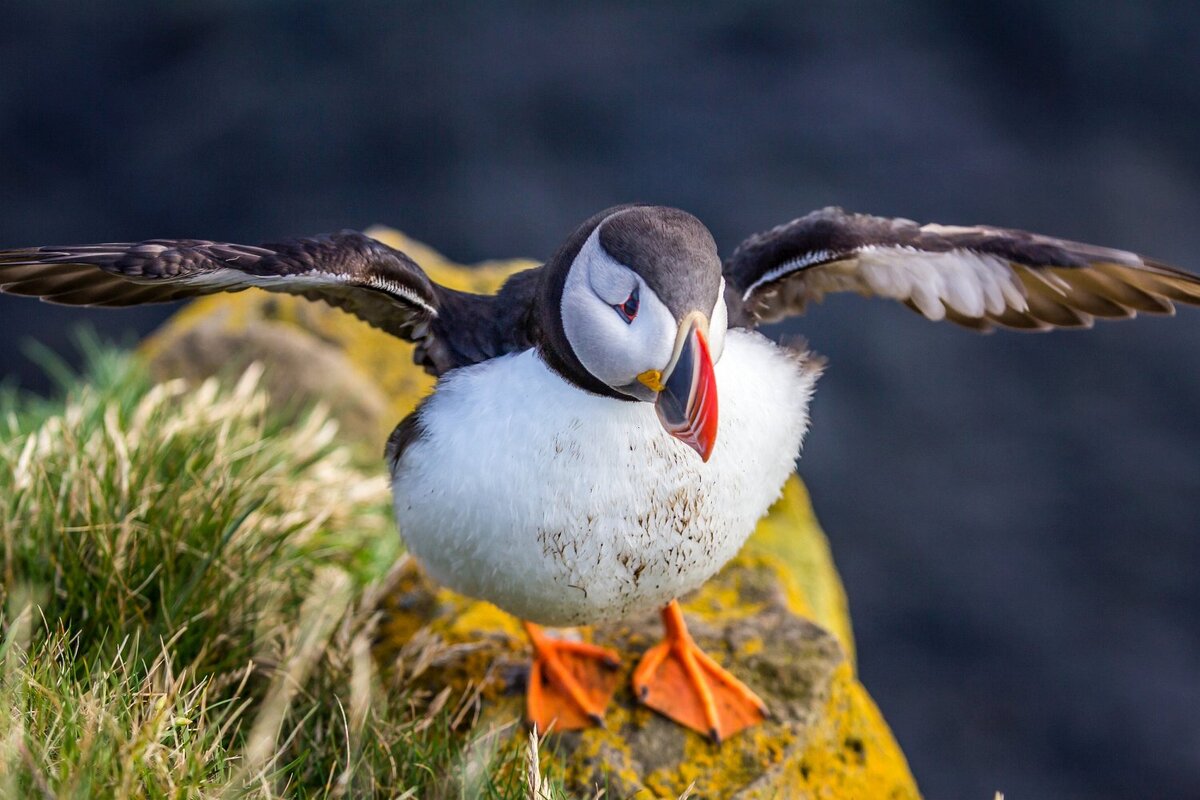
[628,310]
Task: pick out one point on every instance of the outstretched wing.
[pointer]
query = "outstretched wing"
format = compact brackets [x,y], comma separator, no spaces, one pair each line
[979,277]
[349,270]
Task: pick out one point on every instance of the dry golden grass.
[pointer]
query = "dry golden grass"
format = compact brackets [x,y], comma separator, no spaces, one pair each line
[188,606]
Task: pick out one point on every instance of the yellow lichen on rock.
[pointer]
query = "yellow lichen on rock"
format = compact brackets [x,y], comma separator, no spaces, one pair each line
[790,533]
[852,752]
[776,616]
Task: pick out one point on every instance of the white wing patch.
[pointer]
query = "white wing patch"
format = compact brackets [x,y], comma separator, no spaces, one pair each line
[223,279]
[396,289]
[970,283]
[786,267]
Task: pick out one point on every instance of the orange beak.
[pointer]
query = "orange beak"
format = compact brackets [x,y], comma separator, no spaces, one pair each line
[687,399]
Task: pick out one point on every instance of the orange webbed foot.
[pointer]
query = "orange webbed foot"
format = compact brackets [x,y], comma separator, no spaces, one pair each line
[681,681]
[570,683]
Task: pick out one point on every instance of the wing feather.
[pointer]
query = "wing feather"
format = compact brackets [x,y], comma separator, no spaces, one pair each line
[350,270]
[979,277]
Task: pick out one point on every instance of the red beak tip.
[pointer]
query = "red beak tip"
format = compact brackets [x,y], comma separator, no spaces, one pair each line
[692,415]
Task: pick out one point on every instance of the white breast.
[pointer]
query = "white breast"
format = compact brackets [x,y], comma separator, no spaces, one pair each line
[564,507]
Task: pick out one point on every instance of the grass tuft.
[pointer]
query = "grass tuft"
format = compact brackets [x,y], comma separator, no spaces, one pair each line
[187,606]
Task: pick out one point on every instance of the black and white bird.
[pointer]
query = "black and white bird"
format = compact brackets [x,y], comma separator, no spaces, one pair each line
[571,465]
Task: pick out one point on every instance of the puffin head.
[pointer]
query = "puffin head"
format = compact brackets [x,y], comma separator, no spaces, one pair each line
[643,315]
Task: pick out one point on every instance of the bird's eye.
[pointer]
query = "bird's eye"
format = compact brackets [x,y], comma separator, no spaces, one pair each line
[628,310]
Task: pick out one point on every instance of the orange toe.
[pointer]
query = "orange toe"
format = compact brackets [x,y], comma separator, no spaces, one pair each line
[679,680]
[570,683]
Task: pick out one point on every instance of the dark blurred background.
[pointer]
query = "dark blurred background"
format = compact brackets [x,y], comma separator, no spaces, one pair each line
[1015,516]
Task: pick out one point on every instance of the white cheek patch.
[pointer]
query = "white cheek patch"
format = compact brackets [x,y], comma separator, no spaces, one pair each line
[653,331]
[718,324]
[613,351]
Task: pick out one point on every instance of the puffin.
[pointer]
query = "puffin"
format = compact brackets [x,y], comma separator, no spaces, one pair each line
[608,428]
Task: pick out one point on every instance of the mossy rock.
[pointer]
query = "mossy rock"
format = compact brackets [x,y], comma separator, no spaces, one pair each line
[776,616]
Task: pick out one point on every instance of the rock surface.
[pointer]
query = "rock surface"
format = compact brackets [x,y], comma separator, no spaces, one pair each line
[776,616]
